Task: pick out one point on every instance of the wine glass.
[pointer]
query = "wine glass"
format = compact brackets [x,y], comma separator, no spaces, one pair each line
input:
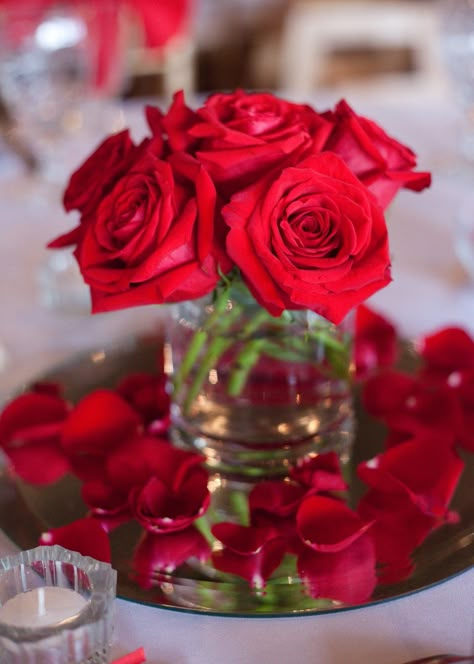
[61,68]
[55,59]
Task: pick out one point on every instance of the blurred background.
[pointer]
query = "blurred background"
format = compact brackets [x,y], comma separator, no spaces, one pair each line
[58,55]
[151,47]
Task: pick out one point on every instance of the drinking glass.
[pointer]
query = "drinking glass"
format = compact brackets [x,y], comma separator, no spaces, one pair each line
[457,50]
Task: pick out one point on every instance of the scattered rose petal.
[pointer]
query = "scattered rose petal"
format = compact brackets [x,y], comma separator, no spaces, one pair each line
[321,473]
[159,508]
[425,469]
[327,525]
[99,423]
[140,458]
[398,525]
[39,463]
[86,536]
[275,497]
[450,349]
[250,552]
[146,393]
[410,405]
[375,342]
[30,417]
[30,429]
[346,576]
[273,505]
[395,571]
[135,657]
[109,506]
[165,552]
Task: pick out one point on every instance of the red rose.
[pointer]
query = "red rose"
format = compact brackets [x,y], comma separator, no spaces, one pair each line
[99,172]
[312,237]
[151,239]
[382,163]
[95,178]
[239,136]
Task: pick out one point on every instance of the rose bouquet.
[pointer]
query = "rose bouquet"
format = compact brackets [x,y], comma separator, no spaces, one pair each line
[265,219]
[247,188]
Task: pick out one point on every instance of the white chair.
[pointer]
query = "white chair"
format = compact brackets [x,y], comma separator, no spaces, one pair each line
[316,29]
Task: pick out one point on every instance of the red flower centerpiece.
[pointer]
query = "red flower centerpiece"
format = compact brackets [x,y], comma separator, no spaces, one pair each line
[261,223]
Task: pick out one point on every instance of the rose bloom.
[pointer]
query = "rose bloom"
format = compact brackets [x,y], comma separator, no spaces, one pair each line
[152,237]
[239,136]
[382,163]
[310,237]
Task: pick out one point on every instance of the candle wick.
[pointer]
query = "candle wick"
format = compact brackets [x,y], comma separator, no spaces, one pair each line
[41,602]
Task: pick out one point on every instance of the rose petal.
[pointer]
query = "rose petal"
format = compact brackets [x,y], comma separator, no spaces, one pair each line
[328,525]
[160,509]
[345,576]
[108,506]
[274,497]
[146,393]
[320,473]
[375,342]
[99,423]
[398,525]
[135,461]
[39,463]
[165,552]
[450,349]
[425,469]
[32,416]
[86,536]
[250,552]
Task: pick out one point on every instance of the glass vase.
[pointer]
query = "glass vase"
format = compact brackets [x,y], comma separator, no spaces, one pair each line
[255,393]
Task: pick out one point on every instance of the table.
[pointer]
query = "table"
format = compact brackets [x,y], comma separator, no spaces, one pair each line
[429,290]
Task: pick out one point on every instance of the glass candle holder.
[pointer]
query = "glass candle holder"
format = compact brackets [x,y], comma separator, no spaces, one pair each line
[56,607]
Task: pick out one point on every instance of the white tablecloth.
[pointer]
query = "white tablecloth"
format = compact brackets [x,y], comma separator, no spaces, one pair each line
[430,289]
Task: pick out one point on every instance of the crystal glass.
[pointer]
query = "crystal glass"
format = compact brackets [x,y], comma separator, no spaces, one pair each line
[55,57]
[457,50]
[255,393]
[56,607]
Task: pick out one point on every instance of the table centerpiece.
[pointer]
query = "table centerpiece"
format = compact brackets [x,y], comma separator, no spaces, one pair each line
[259,225]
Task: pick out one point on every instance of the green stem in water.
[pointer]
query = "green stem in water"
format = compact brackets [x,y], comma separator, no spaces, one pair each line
[216,348]
[245,361]
[196,344]
[200,337]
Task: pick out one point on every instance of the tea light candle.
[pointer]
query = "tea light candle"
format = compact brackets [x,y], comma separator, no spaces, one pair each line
[42,607]
[55,606]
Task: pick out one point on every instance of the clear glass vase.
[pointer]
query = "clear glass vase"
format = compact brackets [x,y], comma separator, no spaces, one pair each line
[255,393]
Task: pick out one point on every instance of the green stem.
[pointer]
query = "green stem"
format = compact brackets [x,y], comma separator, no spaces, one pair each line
[245,361]
[192,353]
[200,337]
[215,349]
